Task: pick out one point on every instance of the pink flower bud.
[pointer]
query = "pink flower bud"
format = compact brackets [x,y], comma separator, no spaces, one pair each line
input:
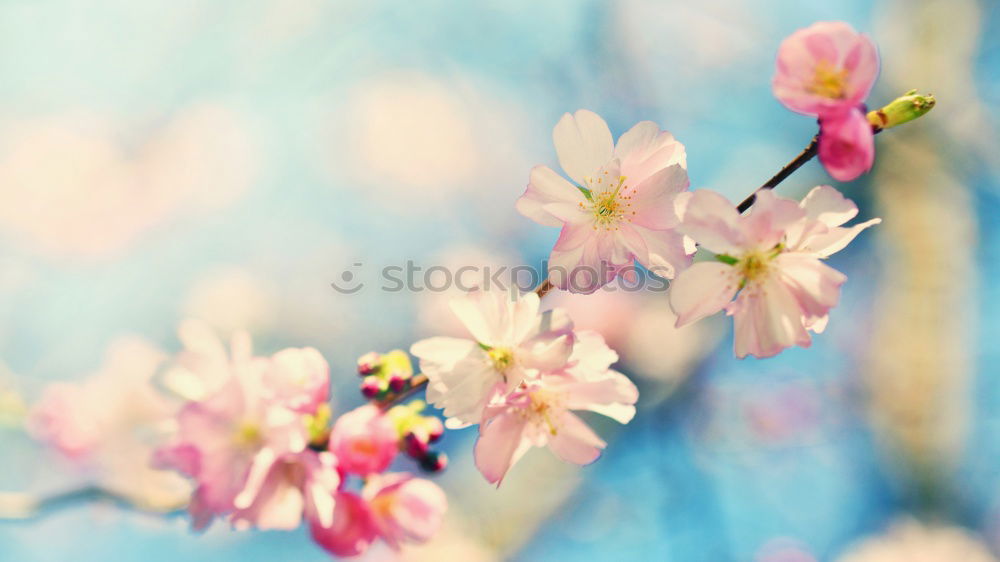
[435,429]
[416,444]
[398,382]
[371,386]
[368,363]
[434,461]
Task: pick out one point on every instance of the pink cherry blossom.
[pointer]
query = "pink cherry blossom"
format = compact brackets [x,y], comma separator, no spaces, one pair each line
[220,438]
[352,529]
[540,414]
[770,260]
[825,69]
[512,342]
[300,378]
[279,490]
[621,207]
[233,423]
[404,508]
[846,144]
[109,423]
[364,440]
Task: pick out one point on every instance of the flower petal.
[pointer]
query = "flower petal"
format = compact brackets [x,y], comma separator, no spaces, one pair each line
[653,199]
[499,439]
[827,205]
[835,239]
[545,186]
[712,221]
[583,143]
[702,290]
[574,441]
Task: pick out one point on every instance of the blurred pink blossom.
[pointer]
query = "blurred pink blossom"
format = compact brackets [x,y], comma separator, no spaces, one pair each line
[769,260]
[539,414]
[110,422]
[404,508]
[825,69]
[243,434]
[105,193]
[364,440]
[281,489]
[620,209]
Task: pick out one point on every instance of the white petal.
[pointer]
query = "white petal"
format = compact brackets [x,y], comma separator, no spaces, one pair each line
[835,239]
[829,206]
[583,143]
[702,290]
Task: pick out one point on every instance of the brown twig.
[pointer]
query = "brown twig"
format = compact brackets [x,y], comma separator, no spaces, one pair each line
[17,506]
[543,288]
[803,157]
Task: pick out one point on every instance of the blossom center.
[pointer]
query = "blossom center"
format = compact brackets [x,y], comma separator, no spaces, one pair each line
[607,202]
[754,265]
[247,435]
[502,357]
[540,410]
[828,81]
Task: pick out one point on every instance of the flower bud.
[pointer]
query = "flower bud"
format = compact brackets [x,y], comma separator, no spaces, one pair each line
[416,444]
[371,386]
[369,363]
[905,108]
[398,382]
[434,427]
[434,461]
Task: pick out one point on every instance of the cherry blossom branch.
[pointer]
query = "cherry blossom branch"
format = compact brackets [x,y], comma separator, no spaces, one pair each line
[15,506]
[418,382]
[803,157]
[907,107]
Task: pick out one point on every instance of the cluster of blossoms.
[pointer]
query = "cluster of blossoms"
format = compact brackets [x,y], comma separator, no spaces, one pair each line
[630,204]
[826,71]
[258,440]
[255,437]
[520,377]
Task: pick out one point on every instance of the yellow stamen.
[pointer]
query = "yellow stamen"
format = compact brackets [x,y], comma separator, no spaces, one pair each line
[828,81]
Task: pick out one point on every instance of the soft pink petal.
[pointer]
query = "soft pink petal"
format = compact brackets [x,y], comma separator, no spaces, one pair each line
[499,439]
[583,143]
[545,186]
[666,252]
[827,205]
[835,239]
[653,199]
[644,150]
[702,290]
[712,221]
[768,220]
[767,319]
[574,441]
[815,285]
